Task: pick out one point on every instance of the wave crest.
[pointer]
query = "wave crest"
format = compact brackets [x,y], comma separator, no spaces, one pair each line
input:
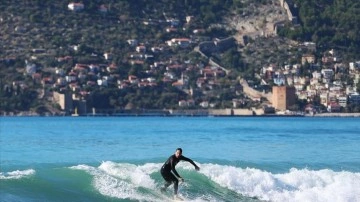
[17,174]
[296,185]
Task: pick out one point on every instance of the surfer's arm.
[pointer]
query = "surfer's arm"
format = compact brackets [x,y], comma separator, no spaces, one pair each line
[190,161]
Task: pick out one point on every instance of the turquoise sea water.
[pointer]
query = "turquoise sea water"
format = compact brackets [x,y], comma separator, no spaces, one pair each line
[118,158]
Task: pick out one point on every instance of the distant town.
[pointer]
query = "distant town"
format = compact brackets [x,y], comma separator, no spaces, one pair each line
[317,84]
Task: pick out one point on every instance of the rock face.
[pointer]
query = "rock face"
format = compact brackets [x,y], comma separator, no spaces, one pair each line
[258,20]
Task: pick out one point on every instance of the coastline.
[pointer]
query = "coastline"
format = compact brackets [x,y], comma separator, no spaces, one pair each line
[184,113]
[335,115]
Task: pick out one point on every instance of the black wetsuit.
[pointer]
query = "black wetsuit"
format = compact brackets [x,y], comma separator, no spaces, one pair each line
[169,166]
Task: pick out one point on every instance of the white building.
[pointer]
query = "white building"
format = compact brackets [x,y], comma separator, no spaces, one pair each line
[76,6]
[342,101]
[327,73]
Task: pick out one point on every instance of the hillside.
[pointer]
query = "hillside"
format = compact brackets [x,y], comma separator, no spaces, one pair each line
[329,24]
[53,37]
[123,55]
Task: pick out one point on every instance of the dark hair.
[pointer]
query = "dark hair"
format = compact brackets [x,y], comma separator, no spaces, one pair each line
[179,149]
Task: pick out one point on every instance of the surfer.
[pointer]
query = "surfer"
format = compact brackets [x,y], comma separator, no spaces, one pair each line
[168,170]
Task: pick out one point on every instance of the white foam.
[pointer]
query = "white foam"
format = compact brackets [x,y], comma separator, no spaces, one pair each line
[137,175]
[296,185]
[17,174]
[121,180]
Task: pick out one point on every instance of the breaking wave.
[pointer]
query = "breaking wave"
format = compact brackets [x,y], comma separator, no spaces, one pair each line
[223,183]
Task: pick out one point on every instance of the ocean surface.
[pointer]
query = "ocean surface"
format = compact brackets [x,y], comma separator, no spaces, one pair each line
[240,158]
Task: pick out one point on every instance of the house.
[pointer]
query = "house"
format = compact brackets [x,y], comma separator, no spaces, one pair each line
[302,95]
[309,45]
[30,68]
[137,62]
[62,59]
[310,109]
[132,42]
[327,73]
[140,49]
[170,75]
[324,97]
[354,66]
[90,83]
[280,81]
[182,103]
[133,79]
[328,59]
[175,67]
[61,81]
[94,68]
[171,29]
[186,103]
[103,9]
[142,84]
[102,82]
[314,81]
[204,104]
[210,72]
[123,85]
[316,75]
[200,82]
[76,6]
[354,98]
[81,67]
[290,81]
[182,42]
[199,31]
[342,100]
[36,77]
[237,103]
[60,72]
[157,49]
[189,18]
[108,56]
[166,80]
[334,107]
[71,77]
[178,84]
[148,56]
[151,80]
[269,74]
[112,68]
[309,58]
[82,77]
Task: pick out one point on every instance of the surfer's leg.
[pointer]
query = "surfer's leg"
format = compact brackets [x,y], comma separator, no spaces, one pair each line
[176,184]
[168,180]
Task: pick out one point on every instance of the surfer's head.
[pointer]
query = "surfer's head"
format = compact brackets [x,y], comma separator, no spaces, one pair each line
[178,152]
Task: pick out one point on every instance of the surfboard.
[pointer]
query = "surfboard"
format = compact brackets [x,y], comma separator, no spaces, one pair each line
[178,198]
[171,197]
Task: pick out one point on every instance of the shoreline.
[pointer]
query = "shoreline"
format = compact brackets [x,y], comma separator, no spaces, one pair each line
[335,115]
[135,114]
